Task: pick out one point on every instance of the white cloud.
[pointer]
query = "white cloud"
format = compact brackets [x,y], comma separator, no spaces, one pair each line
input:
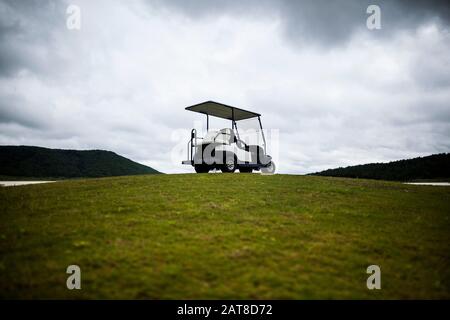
[121,83]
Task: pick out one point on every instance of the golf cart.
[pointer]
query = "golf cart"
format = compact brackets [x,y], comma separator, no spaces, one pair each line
[223,149]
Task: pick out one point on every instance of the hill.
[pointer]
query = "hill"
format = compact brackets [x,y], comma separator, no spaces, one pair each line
[218,236]
[423,168]
[37,162]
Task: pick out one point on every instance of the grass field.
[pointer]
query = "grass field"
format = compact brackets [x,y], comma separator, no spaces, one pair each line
[225,236]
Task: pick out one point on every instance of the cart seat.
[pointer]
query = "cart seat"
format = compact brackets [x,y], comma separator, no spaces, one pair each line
[222,136]
[209,137]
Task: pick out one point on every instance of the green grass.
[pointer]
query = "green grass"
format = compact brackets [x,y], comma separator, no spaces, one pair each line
[225,236]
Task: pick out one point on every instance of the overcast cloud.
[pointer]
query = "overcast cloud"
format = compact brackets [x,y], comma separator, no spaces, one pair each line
[340,94]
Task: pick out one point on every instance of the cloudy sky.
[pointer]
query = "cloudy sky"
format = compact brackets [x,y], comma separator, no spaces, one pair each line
[339,93]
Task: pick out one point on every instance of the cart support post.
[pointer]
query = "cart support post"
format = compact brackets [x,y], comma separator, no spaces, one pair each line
[262,133]
[234,126]
[193,143]
[233,123]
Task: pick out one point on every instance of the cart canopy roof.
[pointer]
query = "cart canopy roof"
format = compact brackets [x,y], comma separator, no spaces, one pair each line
[224,111]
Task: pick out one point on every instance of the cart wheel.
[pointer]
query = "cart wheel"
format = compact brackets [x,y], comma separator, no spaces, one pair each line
[270,169]
[245,170]
[230,164]
[199,168]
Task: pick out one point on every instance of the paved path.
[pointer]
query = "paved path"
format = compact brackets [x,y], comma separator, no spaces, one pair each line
[20,183]
[442,184]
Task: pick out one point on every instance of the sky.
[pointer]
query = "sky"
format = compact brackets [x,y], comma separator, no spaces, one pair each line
[331,91]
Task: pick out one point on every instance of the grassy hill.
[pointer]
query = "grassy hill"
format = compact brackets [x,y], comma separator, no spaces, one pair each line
[37,162]
[225,236]
[434,167]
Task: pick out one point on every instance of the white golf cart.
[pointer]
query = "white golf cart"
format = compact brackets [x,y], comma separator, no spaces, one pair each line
[223,149]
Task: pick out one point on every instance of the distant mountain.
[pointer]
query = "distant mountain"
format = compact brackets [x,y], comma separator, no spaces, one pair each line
[25,161]
[423,168]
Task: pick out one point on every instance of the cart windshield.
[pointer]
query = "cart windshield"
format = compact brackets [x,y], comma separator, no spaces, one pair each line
[250,131]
